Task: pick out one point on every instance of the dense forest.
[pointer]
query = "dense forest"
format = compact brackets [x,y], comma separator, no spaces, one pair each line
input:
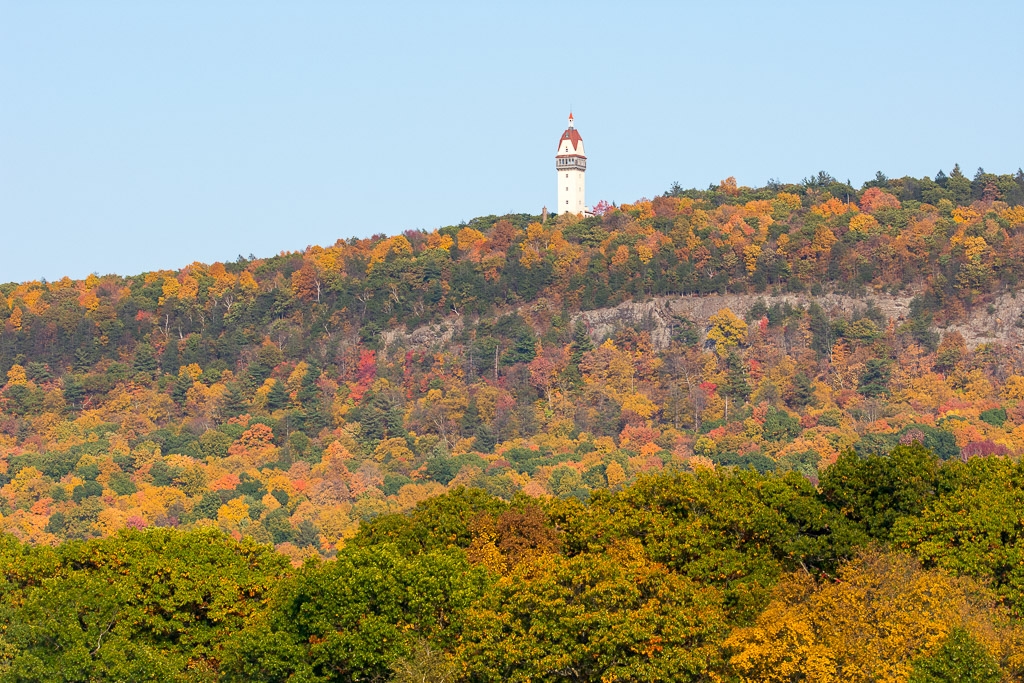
[894,568]
[469,454]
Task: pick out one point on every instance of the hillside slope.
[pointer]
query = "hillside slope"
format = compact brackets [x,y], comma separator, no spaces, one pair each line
[291,398]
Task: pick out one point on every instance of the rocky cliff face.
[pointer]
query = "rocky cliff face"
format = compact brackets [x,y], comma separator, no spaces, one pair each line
[995,322]
[988,323]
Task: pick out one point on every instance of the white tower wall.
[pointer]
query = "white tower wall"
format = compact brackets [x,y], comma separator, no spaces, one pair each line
[572,191]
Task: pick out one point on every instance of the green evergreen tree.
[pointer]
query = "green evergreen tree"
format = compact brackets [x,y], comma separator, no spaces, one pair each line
[736,386]
[169,362]
[524,349]
[580,345]
[959,186]
[780,425]
[145,360]
[194,351]
[233,403]
[309,392]
[56,523]
[484,438]
[874,381]
[801,393]
[307,535]
[86,356]
[823,334]
[277,397]
[38,372]
[208,506]
[74,392]
[267,357]
[470,421]
[180,391]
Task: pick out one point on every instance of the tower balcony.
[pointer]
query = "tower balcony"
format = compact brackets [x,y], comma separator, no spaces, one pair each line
[571,163]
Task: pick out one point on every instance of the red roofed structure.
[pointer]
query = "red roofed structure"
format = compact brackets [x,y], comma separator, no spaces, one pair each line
[573,137]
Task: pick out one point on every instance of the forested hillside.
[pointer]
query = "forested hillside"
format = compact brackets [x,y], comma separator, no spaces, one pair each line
[290,399]
[517,449]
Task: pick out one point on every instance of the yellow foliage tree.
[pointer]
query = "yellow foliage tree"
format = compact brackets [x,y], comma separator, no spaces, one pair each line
[436,240]
[621,256]
[965,214]
[1013,388]
[171,287]
[645,252]
[16,376]
[391,450]
[864,222]
[89,301]
[231,514]
[615,474]
[399,244]
[727,330]
[833,207]
[248,283]
[1014,214]
[468,238]
[192,371]
[784,204]
[189,289]
[751,253]
[881,613]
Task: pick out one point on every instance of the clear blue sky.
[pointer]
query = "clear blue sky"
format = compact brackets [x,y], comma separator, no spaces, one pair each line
[144,135]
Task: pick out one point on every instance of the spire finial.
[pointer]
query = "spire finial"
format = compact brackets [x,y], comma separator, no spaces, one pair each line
[570,117]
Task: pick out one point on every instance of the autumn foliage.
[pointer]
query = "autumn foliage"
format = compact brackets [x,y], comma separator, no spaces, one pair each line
[690,401]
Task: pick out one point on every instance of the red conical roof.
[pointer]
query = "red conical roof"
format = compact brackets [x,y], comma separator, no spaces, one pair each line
[573,136]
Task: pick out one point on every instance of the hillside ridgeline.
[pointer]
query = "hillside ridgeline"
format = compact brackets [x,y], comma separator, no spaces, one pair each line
[293,398]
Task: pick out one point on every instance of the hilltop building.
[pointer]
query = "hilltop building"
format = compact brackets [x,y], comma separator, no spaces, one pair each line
[571,165]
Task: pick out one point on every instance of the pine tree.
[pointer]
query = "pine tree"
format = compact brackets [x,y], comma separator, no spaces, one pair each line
[736,386]
[470,418]
[86,356]
[959,185]
[874,381]
[181,387]
[802,392]
[309,392]
[484,439]
[74,392]
[232,404]
[169,362]
[277,398]
[580,342]
[145,359]
[580,345]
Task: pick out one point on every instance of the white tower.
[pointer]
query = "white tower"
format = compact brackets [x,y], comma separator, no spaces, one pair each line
[571,165]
